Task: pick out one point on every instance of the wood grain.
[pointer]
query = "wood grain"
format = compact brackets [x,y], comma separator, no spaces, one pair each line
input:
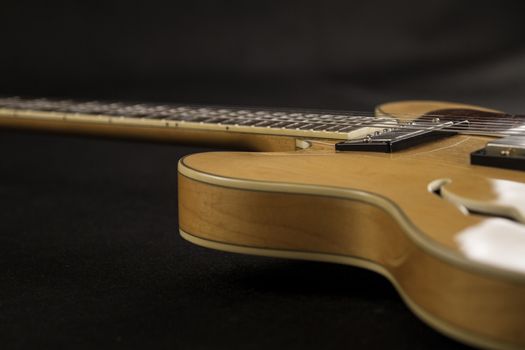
[463,299]
[372,206]
[296,194]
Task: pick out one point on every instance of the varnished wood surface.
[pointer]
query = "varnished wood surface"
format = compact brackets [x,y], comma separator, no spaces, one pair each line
[408,109]
[402,178]
[373,206]
[184,136]
[462,299]
[299,195]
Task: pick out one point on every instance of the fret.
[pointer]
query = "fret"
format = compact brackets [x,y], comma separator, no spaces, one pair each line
[308,126]
[296,125]
[336,127]
[282,124]
[320,127]
[231,121]
[248,122]
[158,116]
[348,128]
[214,120]
[190,118]
[265,123]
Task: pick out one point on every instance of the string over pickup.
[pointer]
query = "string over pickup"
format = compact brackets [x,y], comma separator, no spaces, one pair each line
[401,137]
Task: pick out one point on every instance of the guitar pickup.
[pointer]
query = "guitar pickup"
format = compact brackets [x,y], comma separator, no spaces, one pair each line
[507,152]
[399,138]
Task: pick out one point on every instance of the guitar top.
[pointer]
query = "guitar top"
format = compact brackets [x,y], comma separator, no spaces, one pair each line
[429,194]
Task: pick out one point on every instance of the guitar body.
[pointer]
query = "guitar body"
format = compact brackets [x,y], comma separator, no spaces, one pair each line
[449,234]
[412,216]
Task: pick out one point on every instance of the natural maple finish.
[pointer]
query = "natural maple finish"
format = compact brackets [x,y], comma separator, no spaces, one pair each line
[407,109]
[301,199]
[179,135]
[463,299]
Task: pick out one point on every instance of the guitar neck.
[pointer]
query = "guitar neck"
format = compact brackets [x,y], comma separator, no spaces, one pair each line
[257,129]
[181,123]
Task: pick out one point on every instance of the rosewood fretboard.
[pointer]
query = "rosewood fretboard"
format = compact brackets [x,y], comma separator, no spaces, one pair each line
[323,125]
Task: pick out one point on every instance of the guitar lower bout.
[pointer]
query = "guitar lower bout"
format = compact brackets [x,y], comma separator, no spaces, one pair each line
[275,204]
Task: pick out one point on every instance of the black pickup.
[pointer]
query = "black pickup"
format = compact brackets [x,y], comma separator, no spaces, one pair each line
[400,137]
[507,152]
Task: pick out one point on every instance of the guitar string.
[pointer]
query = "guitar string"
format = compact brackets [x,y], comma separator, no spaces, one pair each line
[473,120]
[423,120]
[146,107]
[504,129]
[423,123]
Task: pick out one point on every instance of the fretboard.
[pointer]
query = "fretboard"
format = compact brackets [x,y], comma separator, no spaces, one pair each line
[319,125]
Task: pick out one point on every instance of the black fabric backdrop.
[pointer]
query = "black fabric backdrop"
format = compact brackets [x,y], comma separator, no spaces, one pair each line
[89,250]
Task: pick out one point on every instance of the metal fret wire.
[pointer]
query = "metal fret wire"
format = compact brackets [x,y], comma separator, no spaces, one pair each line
[317,121]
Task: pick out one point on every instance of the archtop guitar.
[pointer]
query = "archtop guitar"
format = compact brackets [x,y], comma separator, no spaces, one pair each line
[429,194]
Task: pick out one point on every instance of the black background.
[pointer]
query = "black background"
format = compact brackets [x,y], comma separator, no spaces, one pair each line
[89,250]
[339,54]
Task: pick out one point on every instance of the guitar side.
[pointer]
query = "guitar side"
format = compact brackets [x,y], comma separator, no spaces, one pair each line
[372,210]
